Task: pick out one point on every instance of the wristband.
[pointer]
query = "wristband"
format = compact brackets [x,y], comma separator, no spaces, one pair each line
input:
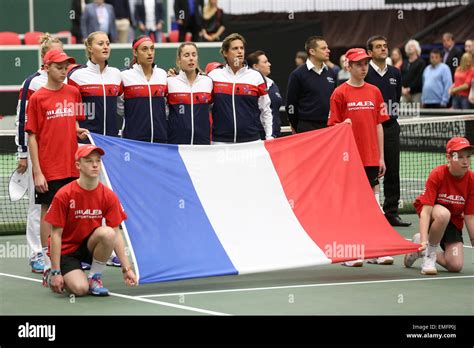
[55,272]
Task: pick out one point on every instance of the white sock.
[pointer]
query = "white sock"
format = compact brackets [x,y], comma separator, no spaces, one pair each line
[47,260]
[96,267]
[377,198]
[431,248]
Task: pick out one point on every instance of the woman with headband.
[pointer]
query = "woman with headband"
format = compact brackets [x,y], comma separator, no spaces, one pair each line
[145,89]
[99,84]
[189,97]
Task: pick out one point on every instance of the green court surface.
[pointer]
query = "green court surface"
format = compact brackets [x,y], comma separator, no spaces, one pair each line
[324,290]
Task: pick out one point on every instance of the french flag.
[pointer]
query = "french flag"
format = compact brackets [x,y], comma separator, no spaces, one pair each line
[199,211]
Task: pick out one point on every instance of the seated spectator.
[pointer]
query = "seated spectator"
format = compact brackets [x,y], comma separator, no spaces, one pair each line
[436,82]
[412,73]
[77,8]
[99,17]
[188,15]
[212,22]
[469,47]
[462,83]
[300,58]
[396,57]
[149,17]
[122,18]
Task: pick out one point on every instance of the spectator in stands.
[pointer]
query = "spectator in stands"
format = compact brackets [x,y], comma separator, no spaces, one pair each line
[258,60]
[150,17]
[212,22]
[133,21]
[389,81]
[122,18]
[241,101]
[412,73]
[189,99]
[343,75]
[309,89]
[188,15]
[99,16]
[452,54]
[462,83]
[300,58]
[77,8]
[30,86]
[396,57]
[99,84]
[436,82]
[144,87]
[469,47]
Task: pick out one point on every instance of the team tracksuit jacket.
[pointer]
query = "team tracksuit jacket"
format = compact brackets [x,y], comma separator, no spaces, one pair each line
[99,92]
[241,105]
[145,107]
[189,121]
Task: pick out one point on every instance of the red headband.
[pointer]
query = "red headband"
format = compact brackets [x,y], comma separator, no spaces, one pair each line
[139,42]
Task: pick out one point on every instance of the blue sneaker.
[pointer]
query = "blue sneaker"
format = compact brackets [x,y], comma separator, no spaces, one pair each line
[95,286]
[85,266]
[37,263]
[114,261]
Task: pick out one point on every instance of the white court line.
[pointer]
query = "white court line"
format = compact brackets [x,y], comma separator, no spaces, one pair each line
[304,286]
[134,298]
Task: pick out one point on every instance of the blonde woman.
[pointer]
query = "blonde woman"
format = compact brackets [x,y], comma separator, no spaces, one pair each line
[30,86]
[99,84]
[462,83]
[189,98]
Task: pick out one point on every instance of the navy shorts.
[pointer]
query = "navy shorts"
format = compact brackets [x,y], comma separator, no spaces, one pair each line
[373,175]
[72,261]
[451,235]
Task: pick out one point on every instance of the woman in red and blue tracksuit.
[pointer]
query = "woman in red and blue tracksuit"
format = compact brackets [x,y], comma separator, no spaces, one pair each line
[145,89]
[100,85]
[241,103]
[189,99]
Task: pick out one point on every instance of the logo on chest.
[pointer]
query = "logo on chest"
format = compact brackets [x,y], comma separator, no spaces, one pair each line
[88,214]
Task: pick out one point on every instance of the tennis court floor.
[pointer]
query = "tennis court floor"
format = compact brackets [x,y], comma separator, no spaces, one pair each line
[322,290]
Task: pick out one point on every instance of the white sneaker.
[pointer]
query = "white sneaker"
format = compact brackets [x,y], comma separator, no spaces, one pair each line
[353,263]
[410,259]
[383,260]
[428,267]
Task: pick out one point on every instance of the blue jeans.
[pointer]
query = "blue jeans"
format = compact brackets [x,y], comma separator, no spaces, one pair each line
[460,102]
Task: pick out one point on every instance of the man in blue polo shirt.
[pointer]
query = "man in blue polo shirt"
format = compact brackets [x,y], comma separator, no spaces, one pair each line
[309,89]
[436,82]
[388,79]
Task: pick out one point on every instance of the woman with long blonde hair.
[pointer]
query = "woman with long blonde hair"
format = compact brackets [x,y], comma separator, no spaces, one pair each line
[99,84]
[462,83]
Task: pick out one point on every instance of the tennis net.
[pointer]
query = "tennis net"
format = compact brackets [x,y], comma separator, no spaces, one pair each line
[422,142]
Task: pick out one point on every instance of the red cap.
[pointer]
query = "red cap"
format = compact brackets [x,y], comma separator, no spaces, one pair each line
[57,56]
[85,150]
[356,54]
[457,144]
[211,66]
